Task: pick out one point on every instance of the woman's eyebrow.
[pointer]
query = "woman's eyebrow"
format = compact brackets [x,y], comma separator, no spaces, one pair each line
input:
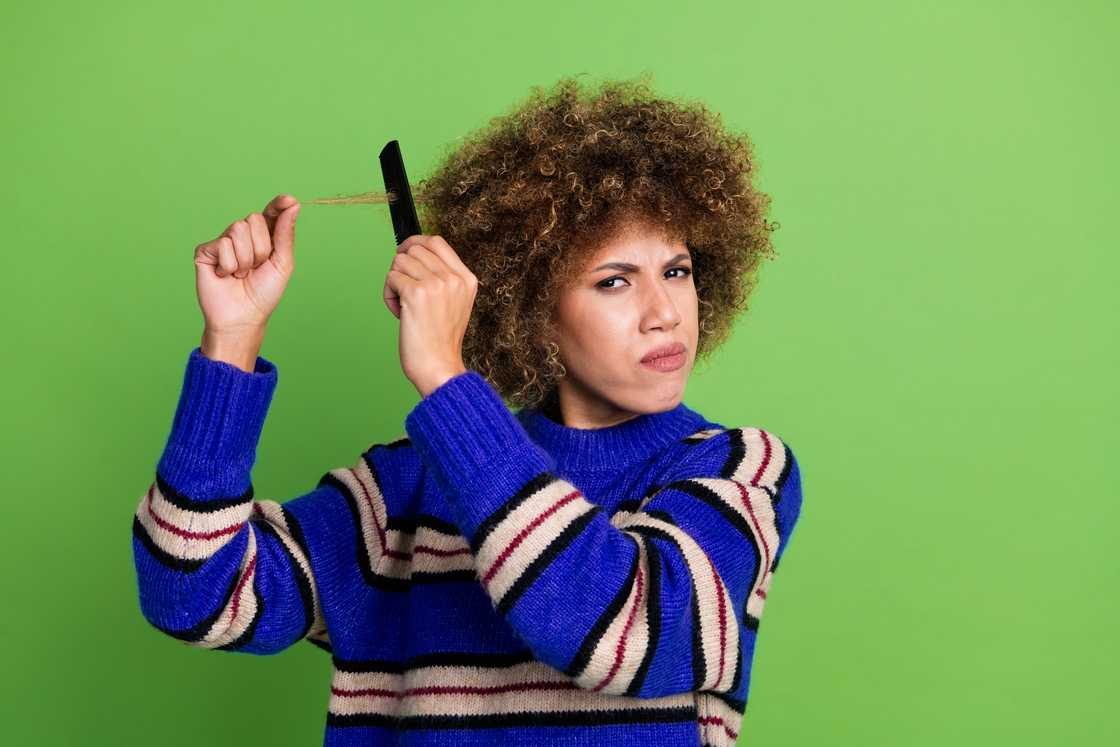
[627,267]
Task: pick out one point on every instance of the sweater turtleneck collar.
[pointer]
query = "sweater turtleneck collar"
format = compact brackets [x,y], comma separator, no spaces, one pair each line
[614,446]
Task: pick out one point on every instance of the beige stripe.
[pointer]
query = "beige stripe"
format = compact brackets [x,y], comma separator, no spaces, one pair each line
[636,611]
[755,444]
[708,593]
[544,700]
[320,634]
[532,544]
[705,433]
[224,630]
[371,506]
[272,512]
[425,562]
[708,708]
[191,521]
[764,524]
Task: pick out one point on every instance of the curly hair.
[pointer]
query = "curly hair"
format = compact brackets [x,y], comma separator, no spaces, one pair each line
[527,199]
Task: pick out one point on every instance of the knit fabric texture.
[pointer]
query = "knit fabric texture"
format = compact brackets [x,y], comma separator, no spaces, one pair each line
[488,577]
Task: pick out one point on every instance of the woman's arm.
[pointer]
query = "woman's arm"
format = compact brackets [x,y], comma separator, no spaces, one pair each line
[662,600]
[214,567]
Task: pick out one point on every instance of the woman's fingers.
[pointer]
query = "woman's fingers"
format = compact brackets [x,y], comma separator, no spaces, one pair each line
[262,242]
[275,207]
[227,261]
[396,284]
[414,267]
[284,236]
[242,247]
[440,246]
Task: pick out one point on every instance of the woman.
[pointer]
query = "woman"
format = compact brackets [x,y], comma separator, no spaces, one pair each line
[590,568]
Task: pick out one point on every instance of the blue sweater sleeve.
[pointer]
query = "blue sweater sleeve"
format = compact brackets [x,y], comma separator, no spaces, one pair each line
[215,568]
[662,600]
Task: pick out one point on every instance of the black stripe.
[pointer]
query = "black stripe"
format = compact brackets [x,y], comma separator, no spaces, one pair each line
[320,644]
[180,500]
[536,568]
[709,496]
[303,585]
[295,530]
[175,563]
[491,522]
[732,516]
[785,471]
[776,498]
[247,635]
[632,505]
[380,580]
[435,659]
[591,640]
[196,632]
[732,702]
[409,524]
[737,454]
[360,549]
[738,665]
[698,663]
[531,718]
[653,618]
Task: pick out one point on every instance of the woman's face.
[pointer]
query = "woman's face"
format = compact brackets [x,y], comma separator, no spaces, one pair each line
[633,297]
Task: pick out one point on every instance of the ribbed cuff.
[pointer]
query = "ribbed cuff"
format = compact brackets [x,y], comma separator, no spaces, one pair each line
[218,422]
[480,452]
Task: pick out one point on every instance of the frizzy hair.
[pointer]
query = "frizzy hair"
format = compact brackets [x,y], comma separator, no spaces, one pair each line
[528,198]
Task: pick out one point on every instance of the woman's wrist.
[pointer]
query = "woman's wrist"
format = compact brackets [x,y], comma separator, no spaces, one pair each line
[239,348]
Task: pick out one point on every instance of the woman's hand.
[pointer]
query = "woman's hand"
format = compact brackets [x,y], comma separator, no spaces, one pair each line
[240,277]
[432,292]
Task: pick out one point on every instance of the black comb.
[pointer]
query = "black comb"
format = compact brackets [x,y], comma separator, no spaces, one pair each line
[401,207]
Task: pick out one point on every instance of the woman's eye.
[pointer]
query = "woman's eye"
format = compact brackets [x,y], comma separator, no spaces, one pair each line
[603,283]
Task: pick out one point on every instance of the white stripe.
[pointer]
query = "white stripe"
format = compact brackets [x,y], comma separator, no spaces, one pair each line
[367,497]
[568,698]
[708,592]
[190,521]
[272,512]
[637,637]
[224,629]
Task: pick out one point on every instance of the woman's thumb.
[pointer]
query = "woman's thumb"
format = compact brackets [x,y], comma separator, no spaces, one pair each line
[284,238]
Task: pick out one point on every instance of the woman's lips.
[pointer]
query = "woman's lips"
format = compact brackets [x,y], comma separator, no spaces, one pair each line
[665,363]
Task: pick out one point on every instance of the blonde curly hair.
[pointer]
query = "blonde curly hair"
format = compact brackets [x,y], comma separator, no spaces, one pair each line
[528,198]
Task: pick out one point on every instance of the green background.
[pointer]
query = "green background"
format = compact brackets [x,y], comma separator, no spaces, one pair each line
[937,338]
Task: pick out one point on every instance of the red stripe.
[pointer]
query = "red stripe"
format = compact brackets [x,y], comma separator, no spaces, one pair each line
[722,619]
[455,690]
[525,533]
[369,502]
[765,457]
[620,648]
[719,721]
[745,495]
[240,585]
[187,534]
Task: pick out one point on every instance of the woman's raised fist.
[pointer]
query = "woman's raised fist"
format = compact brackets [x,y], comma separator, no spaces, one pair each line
[241,275]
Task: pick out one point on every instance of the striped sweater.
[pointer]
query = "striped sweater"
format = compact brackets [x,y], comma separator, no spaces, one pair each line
[489,577]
